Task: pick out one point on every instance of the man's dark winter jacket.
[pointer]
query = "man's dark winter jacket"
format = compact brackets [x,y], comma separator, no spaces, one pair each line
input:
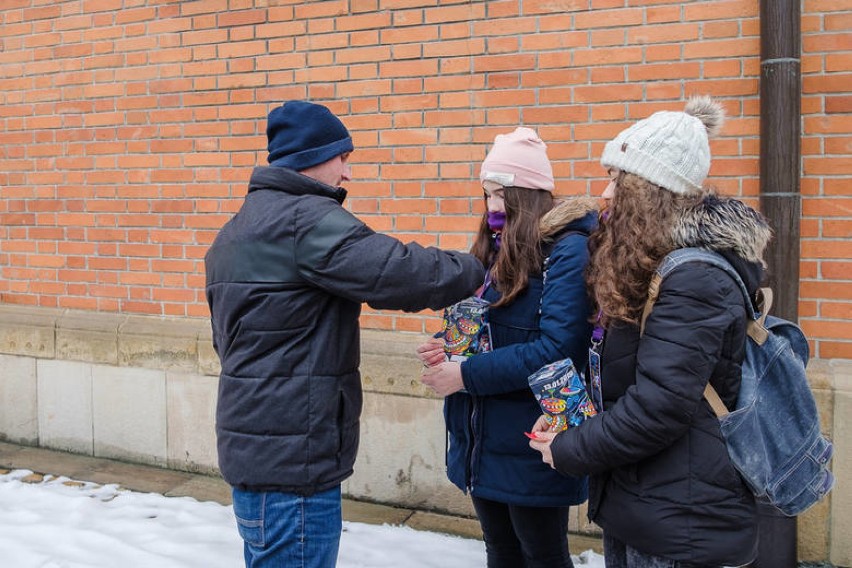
[662,480]
[488,453]
[286,278]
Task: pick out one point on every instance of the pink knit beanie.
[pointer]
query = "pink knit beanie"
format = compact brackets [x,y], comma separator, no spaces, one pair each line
[518,159]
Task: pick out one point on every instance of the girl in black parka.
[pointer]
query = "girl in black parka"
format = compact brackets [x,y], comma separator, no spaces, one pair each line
[536,251]
[662,486]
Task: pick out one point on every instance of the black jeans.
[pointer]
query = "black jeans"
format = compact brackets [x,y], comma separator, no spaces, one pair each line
[524,537]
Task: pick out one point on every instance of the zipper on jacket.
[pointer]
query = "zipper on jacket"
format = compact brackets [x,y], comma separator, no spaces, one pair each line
[469,476]
[544,268]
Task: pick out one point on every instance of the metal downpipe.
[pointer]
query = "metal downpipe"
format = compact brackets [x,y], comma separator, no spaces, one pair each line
[780,201]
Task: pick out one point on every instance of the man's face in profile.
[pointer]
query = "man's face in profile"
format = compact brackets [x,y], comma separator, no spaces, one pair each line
[332,172]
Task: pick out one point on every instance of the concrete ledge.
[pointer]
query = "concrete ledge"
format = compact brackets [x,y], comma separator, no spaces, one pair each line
[185,345]
[29,331]
[154,343]
[179,344]
[87,336]
[389,365]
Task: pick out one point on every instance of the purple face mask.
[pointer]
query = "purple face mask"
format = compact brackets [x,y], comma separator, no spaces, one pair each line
[496,220]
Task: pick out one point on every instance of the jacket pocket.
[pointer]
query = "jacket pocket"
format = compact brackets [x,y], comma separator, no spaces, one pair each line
[806,481]
[457,416]
[341,427]
[349,403]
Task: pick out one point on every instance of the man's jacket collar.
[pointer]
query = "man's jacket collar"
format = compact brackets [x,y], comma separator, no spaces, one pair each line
[292,182]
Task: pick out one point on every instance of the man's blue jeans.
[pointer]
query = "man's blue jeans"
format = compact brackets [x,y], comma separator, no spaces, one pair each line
[289,530]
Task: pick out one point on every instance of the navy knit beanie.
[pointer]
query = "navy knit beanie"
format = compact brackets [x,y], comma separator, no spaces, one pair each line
[303,134]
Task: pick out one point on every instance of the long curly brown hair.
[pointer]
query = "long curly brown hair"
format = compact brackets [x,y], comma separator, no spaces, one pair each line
[520,244]
[634,235]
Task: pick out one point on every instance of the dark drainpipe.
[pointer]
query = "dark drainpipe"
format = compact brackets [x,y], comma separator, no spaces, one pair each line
[780,145]
[780,201]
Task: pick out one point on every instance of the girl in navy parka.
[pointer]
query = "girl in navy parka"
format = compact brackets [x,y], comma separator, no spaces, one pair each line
[539,313]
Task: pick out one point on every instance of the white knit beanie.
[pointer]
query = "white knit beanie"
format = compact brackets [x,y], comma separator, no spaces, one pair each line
[669,149]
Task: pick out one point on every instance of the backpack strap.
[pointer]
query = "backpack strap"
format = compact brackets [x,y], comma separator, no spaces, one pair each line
[715,401]
[756,328]
[653,292]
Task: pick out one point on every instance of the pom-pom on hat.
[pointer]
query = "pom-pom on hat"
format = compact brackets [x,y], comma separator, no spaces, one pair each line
[518,159]
[669,149]
[303,134]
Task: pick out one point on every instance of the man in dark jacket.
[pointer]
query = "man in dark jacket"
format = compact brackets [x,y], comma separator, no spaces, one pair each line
[286,278]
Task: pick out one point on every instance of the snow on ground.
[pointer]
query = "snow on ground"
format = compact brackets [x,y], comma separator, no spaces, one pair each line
[60,523]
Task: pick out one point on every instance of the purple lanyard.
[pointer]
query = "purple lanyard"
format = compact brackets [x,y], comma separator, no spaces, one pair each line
[595,365]
[485,284]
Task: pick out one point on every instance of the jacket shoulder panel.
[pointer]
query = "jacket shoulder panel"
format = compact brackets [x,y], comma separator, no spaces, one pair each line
[326,233]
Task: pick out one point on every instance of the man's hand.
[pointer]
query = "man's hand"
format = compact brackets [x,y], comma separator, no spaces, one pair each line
[431,352]
[444,378]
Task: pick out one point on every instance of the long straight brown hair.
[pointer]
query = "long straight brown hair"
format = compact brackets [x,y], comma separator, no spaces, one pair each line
[520,244]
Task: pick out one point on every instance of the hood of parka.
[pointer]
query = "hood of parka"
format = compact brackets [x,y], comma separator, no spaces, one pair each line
[565,212]
[724,224]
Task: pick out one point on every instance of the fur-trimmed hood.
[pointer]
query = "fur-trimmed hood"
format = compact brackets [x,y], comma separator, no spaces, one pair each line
[724,224]
[565,212]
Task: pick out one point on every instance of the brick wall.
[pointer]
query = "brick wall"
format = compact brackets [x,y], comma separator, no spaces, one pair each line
[826,270]
[128,128]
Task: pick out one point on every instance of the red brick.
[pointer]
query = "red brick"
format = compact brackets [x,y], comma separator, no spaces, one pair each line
[662,14]
[838,145]
[662,33]
[466,13]
[721,48]
[607,56]
[607,37]
[241,18]
[607,94]
[835,350]
[407,35]
[831,124]
[840,22]
[836,310]
[827,329]
[826,42]
[549,6]
[504,63]
[836,270]
[42,13]
[722,68]
[826,166]
[653,72]
[731,9]
[408,68]
[608,18]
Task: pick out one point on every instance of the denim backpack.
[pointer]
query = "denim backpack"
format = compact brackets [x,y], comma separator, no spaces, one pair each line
[773,435]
